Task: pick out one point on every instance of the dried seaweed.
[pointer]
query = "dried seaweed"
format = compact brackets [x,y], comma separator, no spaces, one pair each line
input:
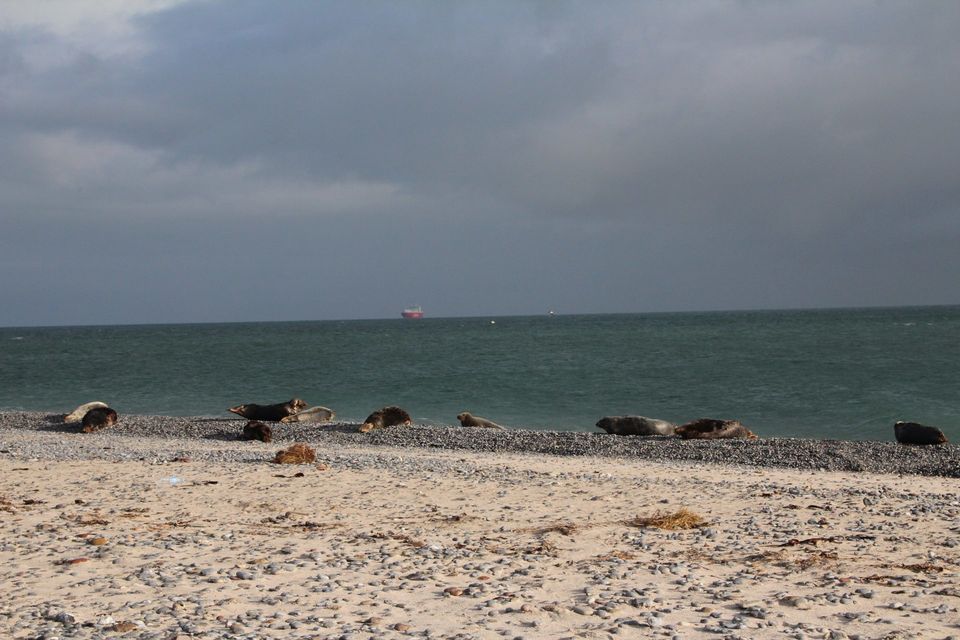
[298,453]
[681,519]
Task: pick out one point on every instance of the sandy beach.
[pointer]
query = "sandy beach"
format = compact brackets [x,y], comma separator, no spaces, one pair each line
[209,539]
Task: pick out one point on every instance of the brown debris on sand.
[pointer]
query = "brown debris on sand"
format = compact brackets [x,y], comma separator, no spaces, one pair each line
[565,528]
[681,519]
[298,453]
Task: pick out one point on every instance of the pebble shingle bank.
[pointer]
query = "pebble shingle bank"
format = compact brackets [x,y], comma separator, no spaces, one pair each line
[164,437]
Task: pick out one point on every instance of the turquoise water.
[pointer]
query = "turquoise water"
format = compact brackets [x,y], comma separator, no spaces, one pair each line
[831,374]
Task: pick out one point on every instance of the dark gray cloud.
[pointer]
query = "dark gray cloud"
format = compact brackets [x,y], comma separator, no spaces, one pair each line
[253,160]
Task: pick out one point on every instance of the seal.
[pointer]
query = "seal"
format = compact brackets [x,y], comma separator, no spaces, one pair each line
[636,426]
[77,414]
[385,417]
[313,414]
[914,433]
[98,418]
[712,429]
[269,412]
[256,430]
[468,420]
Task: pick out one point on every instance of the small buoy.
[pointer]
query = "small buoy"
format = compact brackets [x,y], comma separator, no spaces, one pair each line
[493,322]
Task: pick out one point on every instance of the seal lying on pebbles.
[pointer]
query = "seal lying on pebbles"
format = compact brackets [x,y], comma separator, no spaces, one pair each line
[256,430]
[269,412]
[385,417]
[468,420]
[914,433]
[98,418]
[636,426]
[711,429]
[313,414]
[77,414]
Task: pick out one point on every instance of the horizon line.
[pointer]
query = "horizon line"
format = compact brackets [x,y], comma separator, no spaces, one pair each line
[468,317]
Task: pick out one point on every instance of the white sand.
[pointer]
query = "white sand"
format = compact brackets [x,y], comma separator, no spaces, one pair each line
[529,546]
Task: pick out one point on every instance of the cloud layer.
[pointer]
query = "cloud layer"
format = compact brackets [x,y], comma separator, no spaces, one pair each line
[195,161]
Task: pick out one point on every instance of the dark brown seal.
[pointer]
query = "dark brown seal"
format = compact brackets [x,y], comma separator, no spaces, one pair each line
[636,426]
[711,429]
[913,433]
[269,412]
[385,417]
[256,430]
[468,420]
[97,419]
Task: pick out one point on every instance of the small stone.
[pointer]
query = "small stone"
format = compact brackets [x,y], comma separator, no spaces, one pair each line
[98,541]
[401,627]
[453,591]
[798,602]
[64,618]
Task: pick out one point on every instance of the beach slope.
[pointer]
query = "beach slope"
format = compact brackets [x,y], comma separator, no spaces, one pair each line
[161,537]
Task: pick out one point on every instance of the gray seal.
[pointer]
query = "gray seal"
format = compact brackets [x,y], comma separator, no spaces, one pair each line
[77,414]
[713,429]
[313,414]
[468,420]
[636,426]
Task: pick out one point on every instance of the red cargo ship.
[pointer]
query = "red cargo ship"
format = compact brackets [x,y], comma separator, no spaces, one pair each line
[412,312]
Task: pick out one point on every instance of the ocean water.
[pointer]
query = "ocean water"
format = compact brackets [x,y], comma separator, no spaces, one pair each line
[844,374]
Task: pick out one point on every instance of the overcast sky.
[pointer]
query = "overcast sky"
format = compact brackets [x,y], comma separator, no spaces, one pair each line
[194,161]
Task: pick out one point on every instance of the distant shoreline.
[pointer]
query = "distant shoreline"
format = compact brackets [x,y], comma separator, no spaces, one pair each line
[187,323]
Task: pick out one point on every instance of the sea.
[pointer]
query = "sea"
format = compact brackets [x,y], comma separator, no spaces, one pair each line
[835,374]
